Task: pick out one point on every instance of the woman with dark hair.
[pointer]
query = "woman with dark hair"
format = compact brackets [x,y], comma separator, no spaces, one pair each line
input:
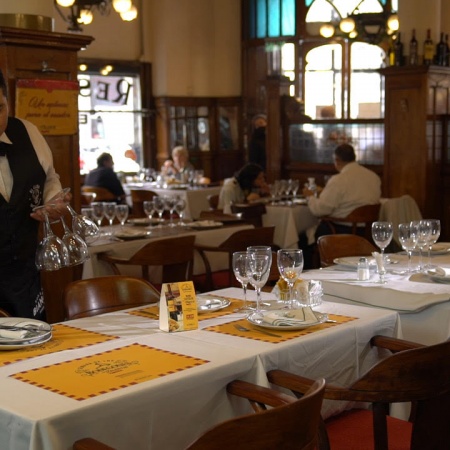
[249,184]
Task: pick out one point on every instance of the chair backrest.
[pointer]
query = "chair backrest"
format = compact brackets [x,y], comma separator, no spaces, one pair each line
[84,298]
[3,313]
[332,246]
[213,201]
[399,210]
[101,194]
[250,213]
[138,197]
[287,425]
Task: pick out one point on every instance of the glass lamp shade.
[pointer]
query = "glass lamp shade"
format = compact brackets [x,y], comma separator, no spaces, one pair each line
[65,3]
[327,30]
[129,15]
[393,23]
[86,17]
[347,25]
[122,6]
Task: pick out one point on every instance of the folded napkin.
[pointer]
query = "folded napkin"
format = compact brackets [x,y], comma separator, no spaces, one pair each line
[291,317]
[13,334]
[440,272]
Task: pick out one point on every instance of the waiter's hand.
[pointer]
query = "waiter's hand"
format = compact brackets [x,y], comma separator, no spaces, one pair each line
[54,208]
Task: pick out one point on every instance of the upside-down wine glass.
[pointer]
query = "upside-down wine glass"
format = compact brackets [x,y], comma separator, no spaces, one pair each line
[77,247]
[241,270]
[259,273]
[122,214]
[290,266]
[407,235]
[435,232]
[382,233]
[423,233]
[51,252]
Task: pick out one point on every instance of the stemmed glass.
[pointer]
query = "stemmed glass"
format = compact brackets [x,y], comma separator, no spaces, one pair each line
[435,232]
[170,205]
[241,269]
[407,235]
[160,206]
[82,223]
[423,233]
[295,186]
[122,214]
[110,213]
[51,253]
[78,250]
[98,212]
[180,208]
[290,266]
[259,265]
[149,209]
[382,233]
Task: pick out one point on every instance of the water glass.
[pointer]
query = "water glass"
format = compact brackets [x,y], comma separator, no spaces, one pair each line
[408,235]
[290,266]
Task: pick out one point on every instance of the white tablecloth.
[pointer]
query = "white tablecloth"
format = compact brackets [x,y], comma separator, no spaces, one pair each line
[168,412]
[289,222]
[424,305]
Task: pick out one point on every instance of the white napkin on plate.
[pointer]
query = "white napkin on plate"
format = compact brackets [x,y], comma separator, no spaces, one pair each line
[440,272]
[290,317]
[13,334]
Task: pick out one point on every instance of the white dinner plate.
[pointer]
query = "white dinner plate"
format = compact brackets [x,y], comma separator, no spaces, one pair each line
[129,234]
[439,275]
[205,225]
[30,343]
[40,332]
[208,303]
[258,320]
[351,262]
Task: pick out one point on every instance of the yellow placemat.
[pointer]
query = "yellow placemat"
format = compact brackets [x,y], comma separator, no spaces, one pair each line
[63,338]
[109,371]
[152,312]
[274,336]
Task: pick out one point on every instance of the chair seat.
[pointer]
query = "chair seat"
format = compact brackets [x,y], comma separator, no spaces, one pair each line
[348,430]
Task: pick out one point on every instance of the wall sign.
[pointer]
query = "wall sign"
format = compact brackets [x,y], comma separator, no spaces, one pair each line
[51,105]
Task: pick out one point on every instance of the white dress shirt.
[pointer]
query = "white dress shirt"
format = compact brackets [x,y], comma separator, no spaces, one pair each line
[52,184]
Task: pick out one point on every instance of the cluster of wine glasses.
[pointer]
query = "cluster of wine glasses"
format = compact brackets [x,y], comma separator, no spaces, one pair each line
[53,252]
[107,210]
[159,204]
[284,190]
[253,266]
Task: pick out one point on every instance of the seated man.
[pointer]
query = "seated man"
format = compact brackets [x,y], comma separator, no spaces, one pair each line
[179,166]
[105,177]
[352,187]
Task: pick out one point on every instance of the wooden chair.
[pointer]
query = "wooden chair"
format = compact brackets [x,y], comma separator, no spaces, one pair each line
[334,246]
[366,215]
[101,194]
[3,313]
[289,424]
[138,197]
[250,213]
[213,201]
[175,256]
[412,373]
[238,241]
[84,298]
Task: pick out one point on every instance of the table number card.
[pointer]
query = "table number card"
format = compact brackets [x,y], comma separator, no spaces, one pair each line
[178,307]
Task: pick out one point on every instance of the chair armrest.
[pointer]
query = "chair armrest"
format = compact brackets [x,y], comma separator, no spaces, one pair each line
[90,444]
[393,344]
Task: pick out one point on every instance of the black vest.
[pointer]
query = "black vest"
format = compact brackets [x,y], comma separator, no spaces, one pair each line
[18,231]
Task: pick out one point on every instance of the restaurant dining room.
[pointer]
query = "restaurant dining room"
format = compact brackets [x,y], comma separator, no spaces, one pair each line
[224,224]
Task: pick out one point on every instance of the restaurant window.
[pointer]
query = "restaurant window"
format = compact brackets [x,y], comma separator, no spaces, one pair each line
[110,120]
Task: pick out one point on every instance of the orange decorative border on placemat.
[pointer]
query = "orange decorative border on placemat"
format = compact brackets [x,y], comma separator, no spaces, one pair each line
[63,338]
[270,335]
[94,375]
[152,312]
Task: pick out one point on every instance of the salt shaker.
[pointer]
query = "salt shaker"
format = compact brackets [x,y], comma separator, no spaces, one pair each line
[363,269]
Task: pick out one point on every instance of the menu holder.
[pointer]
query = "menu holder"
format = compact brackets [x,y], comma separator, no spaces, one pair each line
[178,307]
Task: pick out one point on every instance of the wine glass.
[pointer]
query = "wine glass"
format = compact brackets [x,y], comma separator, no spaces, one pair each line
[51,253]
[241,269]
[149,209]
[83,223]
[382,233]
[160,206]
[290,266]
[407,235]
[78,250]
[261,250]
[98,212]
[122,214]
[170,205]
[180,207]
[435,232]
[423,235]
[110,213]
[259,265]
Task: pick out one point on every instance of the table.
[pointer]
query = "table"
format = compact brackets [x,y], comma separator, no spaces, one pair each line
[168,412]
[289,222]
[95,268]
[423,305]
[196,198]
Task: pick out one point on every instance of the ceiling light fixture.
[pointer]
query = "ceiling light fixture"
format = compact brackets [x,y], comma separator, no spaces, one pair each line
[81,11]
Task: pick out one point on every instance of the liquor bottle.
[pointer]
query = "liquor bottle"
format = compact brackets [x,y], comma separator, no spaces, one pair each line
[413,49]
[428,49]
[441,52]
[398,51]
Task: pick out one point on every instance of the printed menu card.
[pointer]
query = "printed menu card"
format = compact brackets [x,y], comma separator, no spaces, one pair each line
[178,307]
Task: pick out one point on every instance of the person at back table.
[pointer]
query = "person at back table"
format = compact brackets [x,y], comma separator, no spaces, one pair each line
[105,177]
[352,187]
[179,165]
[249,184]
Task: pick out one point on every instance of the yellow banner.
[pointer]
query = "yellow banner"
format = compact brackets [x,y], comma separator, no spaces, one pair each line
[51,105]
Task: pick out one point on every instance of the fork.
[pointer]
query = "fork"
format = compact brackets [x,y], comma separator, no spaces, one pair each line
[241,328]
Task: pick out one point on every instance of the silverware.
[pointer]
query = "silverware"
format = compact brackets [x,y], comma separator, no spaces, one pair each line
[241,328]
[29,327]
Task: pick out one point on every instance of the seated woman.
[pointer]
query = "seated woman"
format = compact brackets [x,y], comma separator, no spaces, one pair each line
[249,184]
[179,165]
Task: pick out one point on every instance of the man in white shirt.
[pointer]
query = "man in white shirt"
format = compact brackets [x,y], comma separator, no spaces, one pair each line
[27,179]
